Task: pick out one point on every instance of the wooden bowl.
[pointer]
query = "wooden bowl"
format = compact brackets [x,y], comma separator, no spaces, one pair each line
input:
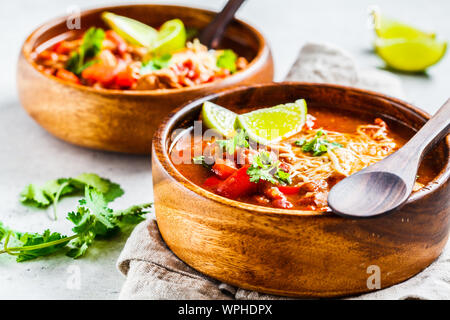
[292,252]
[119,120]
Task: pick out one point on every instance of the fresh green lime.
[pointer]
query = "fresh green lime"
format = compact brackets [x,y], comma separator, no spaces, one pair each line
[387,28]
[273,124]
[411,55]
[171,37]
[131,30]
[218,118]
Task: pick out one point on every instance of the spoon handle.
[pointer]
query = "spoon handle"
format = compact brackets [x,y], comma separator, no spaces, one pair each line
[430,134]
[212,34]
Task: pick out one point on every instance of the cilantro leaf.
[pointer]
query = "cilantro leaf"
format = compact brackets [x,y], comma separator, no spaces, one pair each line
[283,176]
[156,63]
[201,160]
[265,168]
[109,189]
[227,60]
[91,219]
[240,139]
[257,173]
[39,240]
[3,231]
[132,215]
[318,145]
[53,190]
[91,45]
[34,195]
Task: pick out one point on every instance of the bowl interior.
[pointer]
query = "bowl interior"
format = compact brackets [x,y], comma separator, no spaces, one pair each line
[402,118]
[239,36]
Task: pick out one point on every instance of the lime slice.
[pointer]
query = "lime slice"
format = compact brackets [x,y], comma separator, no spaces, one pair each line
[131,30]
[218,118]
[171,37]
[388,29]
[411,55]
[270,125]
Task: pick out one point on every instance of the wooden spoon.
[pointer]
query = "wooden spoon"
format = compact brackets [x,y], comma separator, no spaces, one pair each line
[386,185]
[212,34]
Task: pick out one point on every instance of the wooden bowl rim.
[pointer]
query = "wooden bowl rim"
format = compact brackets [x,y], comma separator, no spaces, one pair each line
[160,138]
[263,51]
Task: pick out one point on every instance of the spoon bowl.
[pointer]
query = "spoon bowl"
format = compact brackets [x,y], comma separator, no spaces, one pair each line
[385,192]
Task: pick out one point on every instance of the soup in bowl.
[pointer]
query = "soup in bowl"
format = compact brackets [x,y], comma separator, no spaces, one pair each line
[258,218]
[96,88]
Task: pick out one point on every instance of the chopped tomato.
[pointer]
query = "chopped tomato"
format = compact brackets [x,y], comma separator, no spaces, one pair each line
[126,77]
[223,170]
[211,182]
[289,190]
[67,76]
[238,184]
[100,72]
[62,47]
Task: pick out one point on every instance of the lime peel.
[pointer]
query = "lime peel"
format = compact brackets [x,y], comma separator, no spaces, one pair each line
[274,124]
[411,55]
[133,31]
[171,37]
[218,118]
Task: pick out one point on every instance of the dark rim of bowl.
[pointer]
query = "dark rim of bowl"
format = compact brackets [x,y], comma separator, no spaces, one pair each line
[263,51]
[160,140]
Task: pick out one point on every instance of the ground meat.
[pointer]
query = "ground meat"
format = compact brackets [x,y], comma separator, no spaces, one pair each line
[159,79]
[315,194]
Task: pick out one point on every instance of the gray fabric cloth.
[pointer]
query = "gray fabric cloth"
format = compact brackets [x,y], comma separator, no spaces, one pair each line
[154,272]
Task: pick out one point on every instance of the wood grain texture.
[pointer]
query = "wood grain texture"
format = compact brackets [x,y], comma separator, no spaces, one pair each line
[384,186]
[291,252]
[117,120]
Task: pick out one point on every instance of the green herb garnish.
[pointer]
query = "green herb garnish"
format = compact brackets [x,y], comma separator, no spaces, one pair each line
[265,168]
[92,219]
[53,190]
[201,160]
[318,145]
[156,63]
[227,60]
[91,45]
[240,139]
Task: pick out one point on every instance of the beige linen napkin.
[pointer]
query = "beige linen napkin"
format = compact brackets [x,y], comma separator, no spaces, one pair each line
[154,272]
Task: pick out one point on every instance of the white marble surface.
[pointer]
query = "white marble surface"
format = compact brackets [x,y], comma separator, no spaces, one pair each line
[29,154]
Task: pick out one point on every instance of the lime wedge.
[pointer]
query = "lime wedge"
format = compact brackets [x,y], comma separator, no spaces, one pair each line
[387,28]
[171,37]
[218,118]
[411,55]
[270,125]
[131,30]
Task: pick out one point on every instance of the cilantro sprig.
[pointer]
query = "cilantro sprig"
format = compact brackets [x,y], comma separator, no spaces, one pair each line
[156,63]
[91,45]
[51,191]
[240,139]
[92,219]
[265,168]
[317,145]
